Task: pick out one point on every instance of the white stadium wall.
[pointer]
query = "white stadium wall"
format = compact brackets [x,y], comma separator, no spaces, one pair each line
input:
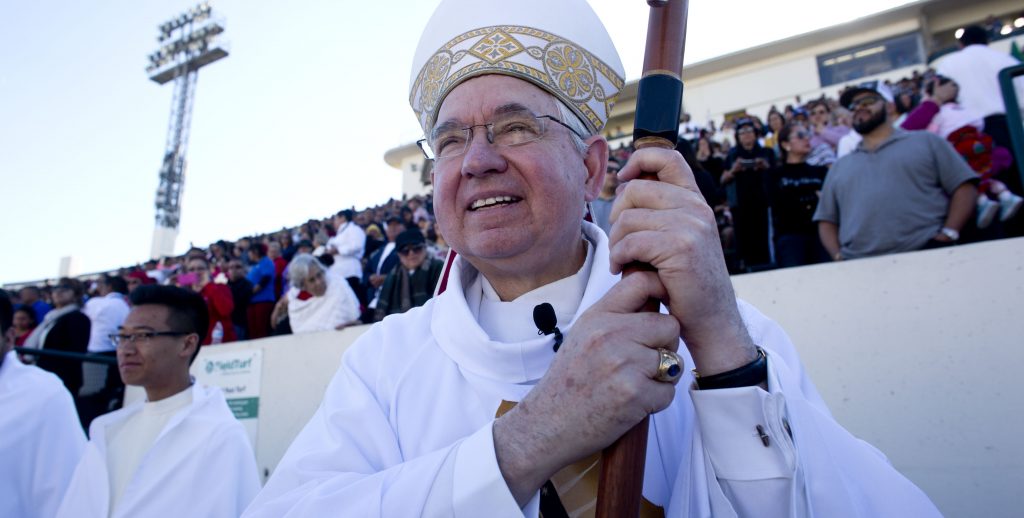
[918,354]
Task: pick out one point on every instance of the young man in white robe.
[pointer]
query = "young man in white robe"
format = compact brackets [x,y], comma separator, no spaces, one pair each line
[180,452]
[459,408]
[41,439]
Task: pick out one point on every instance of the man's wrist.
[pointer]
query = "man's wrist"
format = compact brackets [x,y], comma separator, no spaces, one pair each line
[951,233]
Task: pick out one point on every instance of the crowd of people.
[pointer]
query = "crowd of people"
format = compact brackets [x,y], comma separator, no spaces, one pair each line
[885,168]
[766,177]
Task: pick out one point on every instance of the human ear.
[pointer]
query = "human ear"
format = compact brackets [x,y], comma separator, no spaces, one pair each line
[596,162]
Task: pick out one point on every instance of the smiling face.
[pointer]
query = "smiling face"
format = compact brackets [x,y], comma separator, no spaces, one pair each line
[514,210]
[161,359]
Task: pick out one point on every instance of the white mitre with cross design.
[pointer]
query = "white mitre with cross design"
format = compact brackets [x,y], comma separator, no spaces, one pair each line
[558,45]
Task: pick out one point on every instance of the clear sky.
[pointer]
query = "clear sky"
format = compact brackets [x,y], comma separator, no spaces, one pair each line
[293,124]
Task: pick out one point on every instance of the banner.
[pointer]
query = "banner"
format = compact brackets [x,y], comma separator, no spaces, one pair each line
[237,373]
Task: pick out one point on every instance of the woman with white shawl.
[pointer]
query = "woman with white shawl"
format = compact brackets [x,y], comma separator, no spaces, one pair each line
[317,300]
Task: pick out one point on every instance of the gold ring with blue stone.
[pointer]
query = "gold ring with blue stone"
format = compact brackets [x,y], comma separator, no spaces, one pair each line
[670,366]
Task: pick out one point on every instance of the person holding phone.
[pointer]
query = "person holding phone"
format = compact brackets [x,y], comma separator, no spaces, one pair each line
[744,182]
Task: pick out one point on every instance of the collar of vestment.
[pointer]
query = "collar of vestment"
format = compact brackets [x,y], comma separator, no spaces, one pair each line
[512,321]
[523,356]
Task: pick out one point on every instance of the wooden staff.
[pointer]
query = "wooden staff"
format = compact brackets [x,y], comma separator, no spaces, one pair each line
[658,103]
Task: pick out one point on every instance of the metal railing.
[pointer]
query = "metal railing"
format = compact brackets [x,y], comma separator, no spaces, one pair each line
[1013,116]
[82,357]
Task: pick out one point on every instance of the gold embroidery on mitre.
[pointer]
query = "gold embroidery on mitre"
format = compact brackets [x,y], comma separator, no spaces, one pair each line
[569,67]
[496,47]
[583,82]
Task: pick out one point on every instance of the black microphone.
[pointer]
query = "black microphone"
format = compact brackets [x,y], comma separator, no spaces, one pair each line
[547,323]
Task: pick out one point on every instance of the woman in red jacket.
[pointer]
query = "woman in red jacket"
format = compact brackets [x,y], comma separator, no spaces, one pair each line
[218,300]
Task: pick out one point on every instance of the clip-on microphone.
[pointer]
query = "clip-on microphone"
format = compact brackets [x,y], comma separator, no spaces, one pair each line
[547,323]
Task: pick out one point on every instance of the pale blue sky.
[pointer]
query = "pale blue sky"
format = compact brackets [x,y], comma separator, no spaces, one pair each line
[293,124]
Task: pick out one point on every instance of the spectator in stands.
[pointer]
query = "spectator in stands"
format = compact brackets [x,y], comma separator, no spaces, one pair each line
[318,300]
[101,386]
[261,275]
[601,208]
[42,440]
[347,247]
[241,295]
[776,121]
[899,191]
[744,182]
[411,283]
[793,190]
[825,138]
[284,238]
[382,261]
[941,114]
[30,297]
[708,159]
[280,263]
[975,67]
[241,251]
[65,328]
[180,452]
[23,324]
[419,211]
[219,301]
[106,312]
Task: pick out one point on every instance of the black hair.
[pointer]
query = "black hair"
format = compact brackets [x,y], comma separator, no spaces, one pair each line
[188,312]
[117,284]
[784,134]
[974,35]
[348,214]
[6,313]
[28,311]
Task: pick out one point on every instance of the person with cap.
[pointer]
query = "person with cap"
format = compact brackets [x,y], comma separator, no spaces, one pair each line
[410,283]
[462,408]
[42,439]
[180,452]
[899,191]
[382,261]
[601,208]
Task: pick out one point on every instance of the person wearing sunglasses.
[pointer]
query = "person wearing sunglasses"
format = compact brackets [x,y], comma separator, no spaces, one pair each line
[410,283]
[793,190]
[899,191]
[179,452]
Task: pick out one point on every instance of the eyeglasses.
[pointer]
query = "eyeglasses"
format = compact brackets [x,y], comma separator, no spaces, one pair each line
[411,249]
[508,130]
[744,131]
[800,134]
[863,101]
[141,337]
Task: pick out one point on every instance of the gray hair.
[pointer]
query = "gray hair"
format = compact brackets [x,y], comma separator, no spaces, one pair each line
[574,122]
[301,267]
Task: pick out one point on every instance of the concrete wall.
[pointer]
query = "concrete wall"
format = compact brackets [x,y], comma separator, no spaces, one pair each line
[917,354]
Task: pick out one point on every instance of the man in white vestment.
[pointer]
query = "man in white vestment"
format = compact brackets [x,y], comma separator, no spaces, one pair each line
[180,452]
[460,407]
[40,437]
[347,247]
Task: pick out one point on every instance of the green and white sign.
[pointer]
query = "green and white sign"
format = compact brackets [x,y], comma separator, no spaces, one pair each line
[237,373]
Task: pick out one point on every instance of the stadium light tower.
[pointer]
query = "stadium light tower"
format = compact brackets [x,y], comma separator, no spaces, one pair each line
[187,43]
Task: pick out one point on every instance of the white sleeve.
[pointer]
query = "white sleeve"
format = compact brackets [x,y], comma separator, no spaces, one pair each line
[351,242]
[58,447]
[850,477]
[347,462]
